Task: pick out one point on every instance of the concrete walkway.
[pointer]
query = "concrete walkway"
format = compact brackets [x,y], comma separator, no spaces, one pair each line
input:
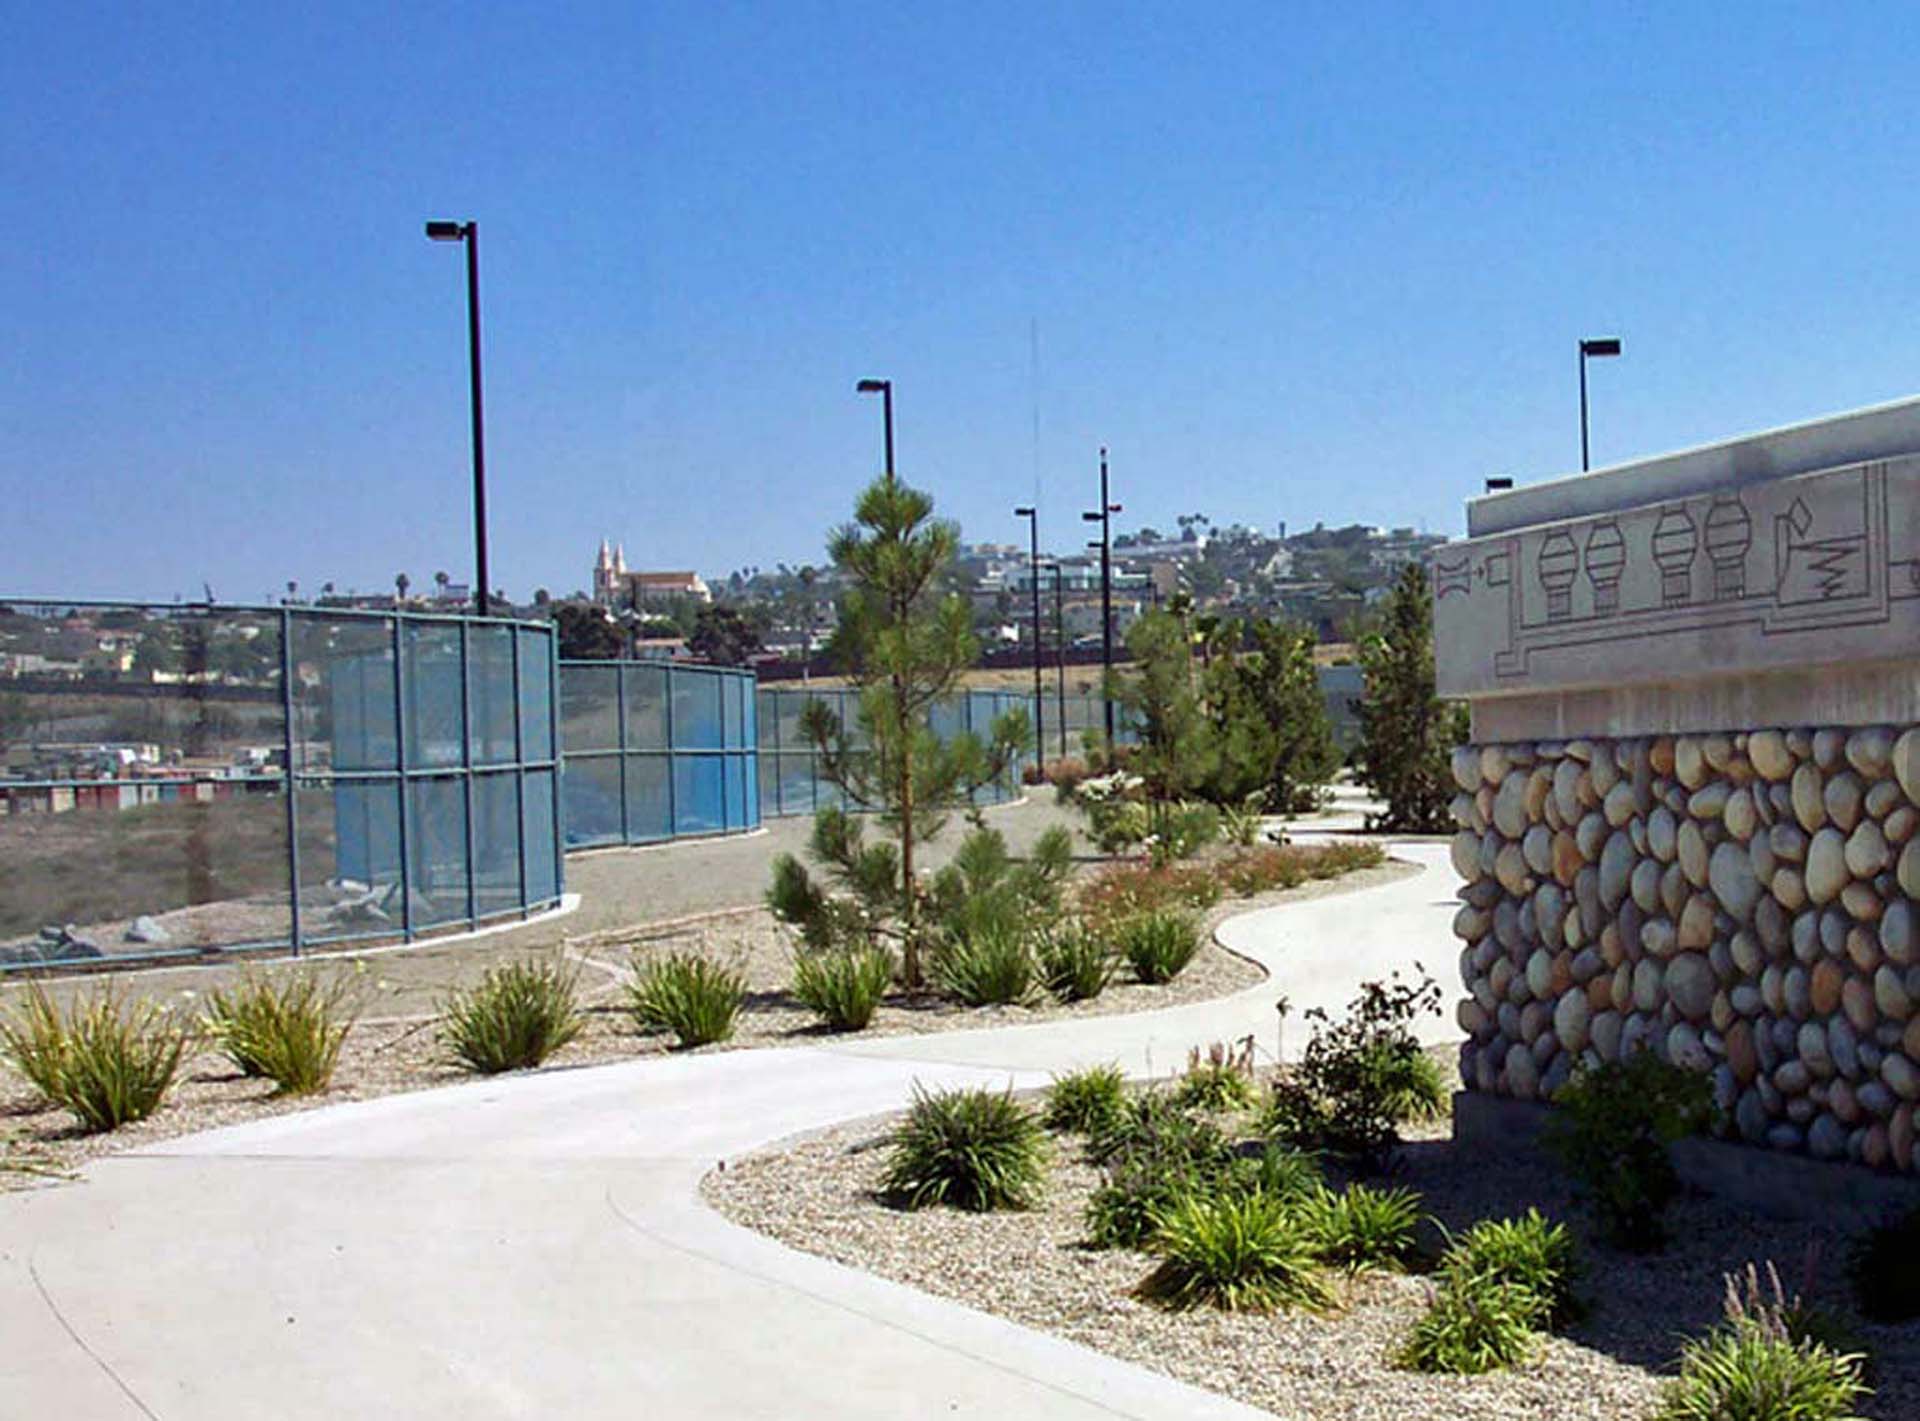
[534,1246]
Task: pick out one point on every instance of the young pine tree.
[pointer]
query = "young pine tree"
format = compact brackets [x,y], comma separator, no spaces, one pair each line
[1406,730]
[1269,717]
[904,640]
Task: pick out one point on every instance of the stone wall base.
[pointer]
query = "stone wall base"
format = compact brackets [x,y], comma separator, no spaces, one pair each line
[1766,1182]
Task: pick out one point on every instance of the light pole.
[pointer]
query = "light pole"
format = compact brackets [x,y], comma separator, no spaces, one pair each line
[1591,350]
[1032,515]
[469,232]
[1060,662]
[884,389]
[1105,519]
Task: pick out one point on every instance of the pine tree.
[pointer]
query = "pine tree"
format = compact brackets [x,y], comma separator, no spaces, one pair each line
[905,642]
[1269,716]
[1406,730]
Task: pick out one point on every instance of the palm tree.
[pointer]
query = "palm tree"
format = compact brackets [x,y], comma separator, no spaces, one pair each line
[401,582]
[440,580]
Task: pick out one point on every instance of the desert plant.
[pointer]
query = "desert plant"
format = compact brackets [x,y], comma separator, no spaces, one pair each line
[1121,891]
[988,964]
[1530,1251]
[1745,1370]
[1155,1124]
[1181,830]
[1357,1080]
[513,1018]
[1240,822]
[977,1150]
[696,999]
[1757,1295]
[118,1061]
[289,1031]
[1222,1079]
[1236,1252]
[1087,1101]
[843,985]
[1125,1208]
[1474,1323]
[1613,1127]
[1362,1227]
[1075,963]
[1278,1170]
[1158,945]
[33,1038]
[1886,1286]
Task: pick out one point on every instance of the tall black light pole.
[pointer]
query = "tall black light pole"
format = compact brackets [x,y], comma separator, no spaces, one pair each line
[1590,350]
[1105,519]
[884,389]
[1060,661]
[1032,515]
[469,232]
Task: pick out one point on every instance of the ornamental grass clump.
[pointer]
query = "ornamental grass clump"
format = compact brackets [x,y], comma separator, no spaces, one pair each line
[1362,1227]
[989,963]
[696,999]
[104,1061]
[843,986]
[1158,945]
[1474,1323]
[1075,964]
[288,1031]
[1235,1252]
[1532,1252]
[1770,1360]
[1220,1080]
[978,1150]
[513,1018]
[1088,1101]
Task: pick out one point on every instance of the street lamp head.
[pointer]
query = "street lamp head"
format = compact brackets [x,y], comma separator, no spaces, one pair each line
[448,231]
[1091,517]
[1023,513]
[874,387]
[1499,485]
[1608,345]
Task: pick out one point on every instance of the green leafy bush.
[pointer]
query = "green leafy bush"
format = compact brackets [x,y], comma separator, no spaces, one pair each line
[1075,963]
[1158,945]
[1126,890]
[1747,1371]
[1754,1296]
[843,986]
[1154,1123]
[1236,1252]
[1220,1080]
[1880,1268]
[33,1037]
[1612,1127]
[696,999]
[289,1031]
[1362,1227]
[1359,1078]
[1181,830]
[113,1062]
[513,1018]
[1139,1189]
[990,963]
[1087,1101]
[1240,823]
[1277,1170]
[977,1150]
[1474,1322]
[1531,1252]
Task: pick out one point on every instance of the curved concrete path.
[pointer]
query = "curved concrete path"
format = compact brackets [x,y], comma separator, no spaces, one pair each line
[535,1247]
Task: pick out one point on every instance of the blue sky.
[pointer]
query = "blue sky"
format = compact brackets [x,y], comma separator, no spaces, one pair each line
[1288,261]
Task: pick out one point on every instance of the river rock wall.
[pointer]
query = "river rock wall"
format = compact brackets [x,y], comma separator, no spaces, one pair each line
[1739,903]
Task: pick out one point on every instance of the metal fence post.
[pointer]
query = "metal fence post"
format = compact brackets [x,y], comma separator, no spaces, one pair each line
[520,781]
[555,760]
[673,761]
[287,749]
[404,789]
[466,763]
[620,744]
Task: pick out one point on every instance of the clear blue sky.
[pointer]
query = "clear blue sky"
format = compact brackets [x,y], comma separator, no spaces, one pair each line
[1289,261]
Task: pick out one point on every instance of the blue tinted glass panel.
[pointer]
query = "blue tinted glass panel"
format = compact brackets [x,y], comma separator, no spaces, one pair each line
[437,850]
[537,832]
[490,694]
[431,689]
[593,800]
[589,708]
[646,707]
[697,717]
[536,701]
[496,843]
[649,811]
[698,806]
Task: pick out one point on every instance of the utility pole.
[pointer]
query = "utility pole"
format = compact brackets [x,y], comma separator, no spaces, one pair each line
[1032,515]
[1105,519]
[1060,660]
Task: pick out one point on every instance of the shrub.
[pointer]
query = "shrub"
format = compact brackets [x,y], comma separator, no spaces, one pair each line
[117,1061]
[1087,1101]
[1125,1209]
[1221,1080]
[1240,823]
[289,1031]
[1612,1128]
[1474,1323]
[1357,1081]
[1155,1124]
[697,1000]
[1236,1252]
[1125,890]
[1159,945]
[33,1037]
[991,964]
[1530,1252]
[1765,1302]
[1363,1228]
[1746,1369]
[1074,963]
[1065,775]
[1181,830]
[843,985]
[970,1149]
[1886,1285]
[513,1018]
[1278,1170]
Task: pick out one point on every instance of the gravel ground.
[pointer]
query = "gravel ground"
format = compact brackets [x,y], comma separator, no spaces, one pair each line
[393,1046]
[819,1195]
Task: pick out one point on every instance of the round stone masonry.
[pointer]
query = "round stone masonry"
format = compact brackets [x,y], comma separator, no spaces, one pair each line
[1740,904]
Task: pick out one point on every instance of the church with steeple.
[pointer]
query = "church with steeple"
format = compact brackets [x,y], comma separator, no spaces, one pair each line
[616,587]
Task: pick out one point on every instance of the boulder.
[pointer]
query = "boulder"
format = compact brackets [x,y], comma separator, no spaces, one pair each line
[1827,865]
